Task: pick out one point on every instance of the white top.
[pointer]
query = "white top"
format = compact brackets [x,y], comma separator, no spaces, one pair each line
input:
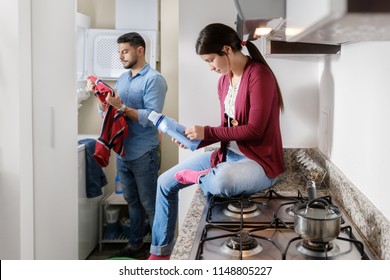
[230,102]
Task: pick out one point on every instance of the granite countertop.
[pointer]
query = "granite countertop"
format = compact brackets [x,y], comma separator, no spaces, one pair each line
[370,222]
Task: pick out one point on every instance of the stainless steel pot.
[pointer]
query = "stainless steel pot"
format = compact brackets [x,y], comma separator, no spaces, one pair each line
[317,221]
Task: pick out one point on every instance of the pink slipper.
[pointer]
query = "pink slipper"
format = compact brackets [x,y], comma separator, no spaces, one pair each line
[190,176]
[158,258]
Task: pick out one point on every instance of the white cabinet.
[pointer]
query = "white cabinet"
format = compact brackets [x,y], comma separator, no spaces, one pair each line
[135,14]
[83,23]
[54,122]
[39,183]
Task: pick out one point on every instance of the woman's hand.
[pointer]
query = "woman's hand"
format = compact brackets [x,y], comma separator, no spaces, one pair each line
[178,143]
[195,132]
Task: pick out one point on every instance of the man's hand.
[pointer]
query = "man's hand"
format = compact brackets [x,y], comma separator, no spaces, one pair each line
[91,85]
[114,101]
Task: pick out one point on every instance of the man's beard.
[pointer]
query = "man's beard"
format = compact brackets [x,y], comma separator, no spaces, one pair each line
[130,64]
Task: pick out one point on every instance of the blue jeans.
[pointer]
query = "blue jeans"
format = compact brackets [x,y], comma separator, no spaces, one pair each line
[139,181]
[237,176]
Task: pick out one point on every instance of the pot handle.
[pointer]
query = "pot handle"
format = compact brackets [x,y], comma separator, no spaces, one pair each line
[321,201]
[311,190]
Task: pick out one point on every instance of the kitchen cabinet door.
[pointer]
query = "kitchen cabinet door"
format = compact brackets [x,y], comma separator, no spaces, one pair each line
[54,108]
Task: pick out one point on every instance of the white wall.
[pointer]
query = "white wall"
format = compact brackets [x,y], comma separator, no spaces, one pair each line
[361,134]
[298,80]
[198,99]
[169,69]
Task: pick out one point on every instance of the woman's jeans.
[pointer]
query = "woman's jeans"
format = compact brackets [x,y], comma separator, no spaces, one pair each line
[237,176]
[139,181]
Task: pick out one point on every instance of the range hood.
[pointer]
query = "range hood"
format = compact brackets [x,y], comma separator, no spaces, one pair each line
[313,27]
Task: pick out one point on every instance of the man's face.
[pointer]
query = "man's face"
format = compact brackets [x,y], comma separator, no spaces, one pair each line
[128,55]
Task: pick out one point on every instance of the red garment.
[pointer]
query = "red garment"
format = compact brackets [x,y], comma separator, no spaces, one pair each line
[114,131]
[114,128]
[101,89]
[257,111]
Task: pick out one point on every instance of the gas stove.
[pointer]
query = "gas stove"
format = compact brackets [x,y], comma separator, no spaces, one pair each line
[261,227]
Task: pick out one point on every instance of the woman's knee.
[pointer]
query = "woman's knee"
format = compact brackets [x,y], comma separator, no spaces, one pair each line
[164,179]
[221,184]
[166,184]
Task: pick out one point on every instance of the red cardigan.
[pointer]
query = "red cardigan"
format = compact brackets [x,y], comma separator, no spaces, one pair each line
[257,111]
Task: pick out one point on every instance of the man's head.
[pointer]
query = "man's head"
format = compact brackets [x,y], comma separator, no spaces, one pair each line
[131,49]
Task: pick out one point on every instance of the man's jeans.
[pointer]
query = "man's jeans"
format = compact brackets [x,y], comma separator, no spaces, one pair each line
[139,181]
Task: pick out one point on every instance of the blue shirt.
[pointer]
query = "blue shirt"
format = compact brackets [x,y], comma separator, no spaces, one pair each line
[144,92]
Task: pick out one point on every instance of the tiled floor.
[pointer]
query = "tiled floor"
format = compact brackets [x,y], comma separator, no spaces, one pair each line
[108,250]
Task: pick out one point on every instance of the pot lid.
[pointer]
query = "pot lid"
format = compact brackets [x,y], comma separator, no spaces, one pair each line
[317,209]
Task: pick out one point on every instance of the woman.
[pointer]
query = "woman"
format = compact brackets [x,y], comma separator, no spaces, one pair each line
[250,157]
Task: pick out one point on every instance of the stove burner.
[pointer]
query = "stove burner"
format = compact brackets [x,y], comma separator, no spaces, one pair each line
[249,209]
[319,250]
[289,210]
[317,246]
[248,245]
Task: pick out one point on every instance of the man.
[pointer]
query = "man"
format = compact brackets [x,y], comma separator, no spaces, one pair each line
[138,92]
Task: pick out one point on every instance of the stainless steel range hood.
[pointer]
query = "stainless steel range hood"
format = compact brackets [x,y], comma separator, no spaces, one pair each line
[313,27]
[253,15]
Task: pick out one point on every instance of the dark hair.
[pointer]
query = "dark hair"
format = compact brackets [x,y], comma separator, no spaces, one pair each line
[133,38]
[214,36]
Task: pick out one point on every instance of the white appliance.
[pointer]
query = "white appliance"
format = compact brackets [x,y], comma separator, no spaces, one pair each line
[88,208]
[102,51]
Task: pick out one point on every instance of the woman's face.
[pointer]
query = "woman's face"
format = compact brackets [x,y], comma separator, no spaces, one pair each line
[217,63]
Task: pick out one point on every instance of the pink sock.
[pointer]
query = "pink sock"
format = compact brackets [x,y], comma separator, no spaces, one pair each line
[158,258]
[190,176]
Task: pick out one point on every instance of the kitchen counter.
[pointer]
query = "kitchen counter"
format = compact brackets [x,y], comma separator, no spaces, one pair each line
[369,221]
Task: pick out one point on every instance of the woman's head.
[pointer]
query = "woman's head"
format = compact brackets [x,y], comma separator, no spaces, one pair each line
[214,37]
[217,43]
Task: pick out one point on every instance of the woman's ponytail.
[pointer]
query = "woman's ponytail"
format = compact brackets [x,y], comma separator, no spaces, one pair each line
[255,54]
